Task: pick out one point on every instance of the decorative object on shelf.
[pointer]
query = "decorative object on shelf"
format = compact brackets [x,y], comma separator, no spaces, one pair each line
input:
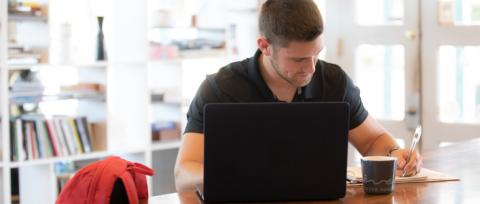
[231,39]
[101,51]
[65,43]
[163,18]
[159,51]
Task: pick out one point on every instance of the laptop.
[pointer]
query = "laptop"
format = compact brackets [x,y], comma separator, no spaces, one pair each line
[275,151]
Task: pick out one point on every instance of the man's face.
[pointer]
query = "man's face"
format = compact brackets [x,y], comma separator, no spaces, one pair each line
[296,62]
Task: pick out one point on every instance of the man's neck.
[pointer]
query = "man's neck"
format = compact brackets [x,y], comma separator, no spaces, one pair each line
[280,88]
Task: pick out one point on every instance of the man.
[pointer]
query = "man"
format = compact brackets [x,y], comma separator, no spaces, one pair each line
[285,68]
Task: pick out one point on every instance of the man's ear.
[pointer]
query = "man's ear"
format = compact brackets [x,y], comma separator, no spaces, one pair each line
[264,46]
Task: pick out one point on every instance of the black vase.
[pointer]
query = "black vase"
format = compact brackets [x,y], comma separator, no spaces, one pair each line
[101,52]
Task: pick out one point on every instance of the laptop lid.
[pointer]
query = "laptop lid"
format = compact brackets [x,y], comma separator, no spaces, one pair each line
[275,151]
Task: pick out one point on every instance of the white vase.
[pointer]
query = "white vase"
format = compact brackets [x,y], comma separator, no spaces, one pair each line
[63,46]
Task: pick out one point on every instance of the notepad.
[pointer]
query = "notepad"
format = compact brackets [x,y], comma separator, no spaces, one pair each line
[425,175]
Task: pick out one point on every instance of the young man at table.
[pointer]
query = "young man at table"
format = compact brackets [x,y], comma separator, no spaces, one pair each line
[285,68]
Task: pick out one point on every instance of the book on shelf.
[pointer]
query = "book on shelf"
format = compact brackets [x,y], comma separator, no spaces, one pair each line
[25,87]
[34,136]
[83,132]
[84,88]
[14,185]
[63,132]
[64,171]
[19,55]
[57,131]
[52,136]
[27,8]
[24,81]
[76,136]
[165,130]
[23,60]
[99,135]
[13,143]
[62,181]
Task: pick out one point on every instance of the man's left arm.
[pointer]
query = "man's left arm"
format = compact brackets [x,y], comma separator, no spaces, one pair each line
[370,138]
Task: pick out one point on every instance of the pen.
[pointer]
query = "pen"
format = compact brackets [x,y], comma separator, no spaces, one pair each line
[415,139]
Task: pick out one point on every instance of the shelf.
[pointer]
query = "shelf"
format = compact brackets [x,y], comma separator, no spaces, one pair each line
[87,156]
[167,103]
[166,145]
[19,17]
[79,157]
[193,55]
[56,97]
[158,146]
[187,37]
[98,65]
[206,53]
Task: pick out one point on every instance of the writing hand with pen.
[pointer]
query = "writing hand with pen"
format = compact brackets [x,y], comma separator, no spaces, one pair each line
[409,162]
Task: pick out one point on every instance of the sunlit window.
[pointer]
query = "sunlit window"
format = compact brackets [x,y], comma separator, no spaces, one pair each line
[380,75]
[379,12]
[458,12]
[459,84]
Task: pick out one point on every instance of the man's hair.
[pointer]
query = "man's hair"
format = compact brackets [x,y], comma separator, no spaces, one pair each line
[283,21]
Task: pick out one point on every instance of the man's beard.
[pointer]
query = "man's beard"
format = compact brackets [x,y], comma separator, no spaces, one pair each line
[291,81]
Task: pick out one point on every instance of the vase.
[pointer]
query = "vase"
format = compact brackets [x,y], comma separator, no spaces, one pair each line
[101,52]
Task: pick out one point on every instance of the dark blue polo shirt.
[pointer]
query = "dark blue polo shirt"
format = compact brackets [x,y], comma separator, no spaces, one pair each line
[242,82]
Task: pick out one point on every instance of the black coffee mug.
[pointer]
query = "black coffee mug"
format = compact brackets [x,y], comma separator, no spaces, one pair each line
[378,174]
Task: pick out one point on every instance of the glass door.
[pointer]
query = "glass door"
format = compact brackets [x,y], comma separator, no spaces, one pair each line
[376,42]
[451,71]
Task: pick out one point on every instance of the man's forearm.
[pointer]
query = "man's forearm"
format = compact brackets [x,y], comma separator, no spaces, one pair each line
[382,145]
[187,175]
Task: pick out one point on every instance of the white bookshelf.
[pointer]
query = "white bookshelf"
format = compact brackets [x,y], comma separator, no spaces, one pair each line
[126,99]
[130,77]
[5,169]
[95,65]
[186,68]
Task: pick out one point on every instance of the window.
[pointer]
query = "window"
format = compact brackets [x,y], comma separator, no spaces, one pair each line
[459,84]
[379,12]
[458,12]
[380,74]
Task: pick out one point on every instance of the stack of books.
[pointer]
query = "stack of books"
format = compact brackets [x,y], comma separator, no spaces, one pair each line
[165,130]
[20,56]
[34,136]
[26,92]
[25,87]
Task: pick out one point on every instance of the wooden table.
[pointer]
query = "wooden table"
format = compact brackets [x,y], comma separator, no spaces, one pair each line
[461,160]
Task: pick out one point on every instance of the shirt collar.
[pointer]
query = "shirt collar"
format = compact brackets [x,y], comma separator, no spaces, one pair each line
[255,76]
